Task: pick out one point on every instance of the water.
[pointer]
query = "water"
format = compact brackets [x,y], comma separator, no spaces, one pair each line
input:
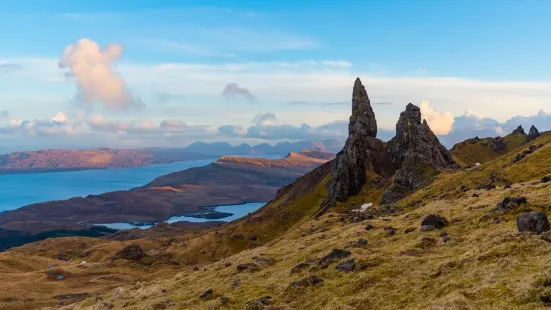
[237,210]
[17,190]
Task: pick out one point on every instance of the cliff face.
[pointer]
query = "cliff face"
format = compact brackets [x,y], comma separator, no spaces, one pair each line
[411,158]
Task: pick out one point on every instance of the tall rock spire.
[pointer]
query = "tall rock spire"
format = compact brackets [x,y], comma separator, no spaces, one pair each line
[362,152]
[362,121]
[533,134]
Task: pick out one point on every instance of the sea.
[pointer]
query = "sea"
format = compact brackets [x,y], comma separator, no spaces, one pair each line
[17,190]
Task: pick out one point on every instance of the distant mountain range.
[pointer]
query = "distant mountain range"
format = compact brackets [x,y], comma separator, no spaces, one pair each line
[281,148]
[49,160]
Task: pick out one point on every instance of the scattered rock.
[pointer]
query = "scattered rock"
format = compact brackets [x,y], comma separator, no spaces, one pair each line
[207,293]
[132,252]
[236,283]
[527,152]
[546,236]
[195,268]
[390,230]
[368,227]
[546,179]
[224,300]
[533,221]
[253,305]
[446,239]
[347,266]
[252,237]
[409,229]
[265,300]
[265,260]
[432,222]
[334,256]
[475,195]
[248,266]
[300,267]
[310,280]
[443,234]
[510,203]
[228,264]
[356,244]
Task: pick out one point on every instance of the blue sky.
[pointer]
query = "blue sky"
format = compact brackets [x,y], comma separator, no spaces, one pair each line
[294,59]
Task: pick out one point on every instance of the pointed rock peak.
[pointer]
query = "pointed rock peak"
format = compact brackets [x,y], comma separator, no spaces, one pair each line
[362,121]
[412,112]
[519,130]
[534,133]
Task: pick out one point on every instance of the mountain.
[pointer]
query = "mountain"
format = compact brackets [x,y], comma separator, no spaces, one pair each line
[60,160]
[281,148]
[451,238]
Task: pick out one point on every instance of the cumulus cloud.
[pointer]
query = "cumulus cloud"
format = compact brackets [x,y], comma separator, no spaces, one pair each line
[440,122]
[96,79]
[233,91]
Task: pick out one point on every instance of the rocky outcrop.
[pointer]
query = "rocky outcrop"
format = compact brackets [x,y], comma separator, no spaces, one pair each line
[519,130]
[362,152]
[533,134]
[413,157]
[416,154]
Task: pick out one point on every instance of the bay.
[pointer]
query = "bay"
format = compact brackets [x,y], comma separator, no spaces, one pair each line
[17,190]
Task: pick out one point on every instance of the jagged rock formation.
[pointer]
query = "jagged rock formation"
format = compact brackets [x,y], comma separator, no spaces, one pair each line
[519,130]
[416,154]
[362,152]
[533,134]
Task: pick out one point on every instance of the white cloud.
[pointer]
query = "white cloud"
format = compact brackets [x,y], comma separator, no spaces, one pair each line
[232,91]
[96,79]
[440,122]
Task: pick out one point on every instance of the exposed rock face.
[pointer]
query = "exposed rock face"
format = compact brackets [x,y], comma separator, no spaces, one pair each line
[416,154]
[534,133]
[361,152]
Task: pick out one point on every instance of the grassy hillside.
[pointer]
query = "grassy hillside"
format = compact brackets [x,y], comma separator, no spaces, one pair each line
[479,261]
[478,150]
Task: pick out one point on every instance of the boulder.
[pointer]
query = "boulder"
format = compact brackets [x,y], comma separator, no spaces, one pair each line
[347,266]
[335,255]
[207,293]
[432,222]
[533,221]
[546,179]
[310,280]
[248,267]
[510,203]
[300,267]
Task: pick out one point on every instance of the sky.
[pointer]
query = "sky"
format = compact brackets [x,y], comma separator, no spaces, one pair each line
[77,74]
